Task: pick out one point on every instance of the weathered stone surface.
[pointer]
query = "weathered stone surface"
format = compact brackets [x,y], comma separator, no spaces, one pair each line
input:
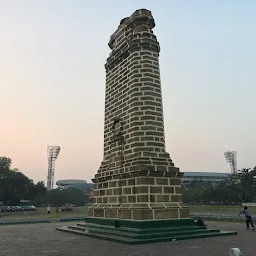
[136,171]
[166,214]
[184,212]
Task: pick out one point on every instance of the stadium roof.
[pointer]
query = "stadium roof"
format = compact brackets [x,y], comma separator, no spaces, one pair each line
[205,174]
[70,182]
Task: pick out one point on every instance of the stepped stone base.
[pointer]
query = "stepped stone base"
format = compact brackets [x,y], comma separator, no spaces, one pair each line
[156,211]
[139,232]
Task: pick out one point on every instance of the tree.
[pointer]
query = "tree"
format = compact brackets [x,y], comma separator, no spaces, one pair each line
[5,163]
[37,190]
[15,186]
[247,184]
[198,191]
[40,188]
[236,188]
[58,197]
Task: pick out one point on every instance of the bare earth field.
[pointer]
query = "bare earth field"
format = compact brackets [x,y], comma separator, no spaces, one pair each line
[44,240]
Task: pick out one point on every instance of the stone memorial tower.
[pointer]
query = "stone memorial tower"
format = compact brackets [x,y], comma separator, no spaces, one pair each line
[137,189]
[137,179]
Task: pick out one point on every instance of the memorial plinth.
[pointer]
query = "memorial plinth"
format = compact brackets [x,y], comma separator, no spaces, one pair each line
[137,187]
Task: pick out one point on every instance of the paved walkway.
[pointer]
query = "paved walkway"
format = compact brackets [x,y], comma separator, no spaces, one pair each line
[43,240]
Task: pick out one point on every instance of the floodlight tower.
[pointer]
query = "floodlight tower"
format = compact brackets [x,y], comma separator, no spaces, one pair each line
[52,152]
[231,158]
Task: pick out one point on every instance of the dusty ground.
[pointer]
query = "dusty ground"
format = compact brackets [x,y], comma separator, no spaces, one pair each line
[43,239]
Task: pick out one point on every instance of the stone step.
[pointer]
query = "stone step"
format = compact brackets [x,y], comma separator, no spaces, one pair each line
[89,225]
[149,234]
[140,240]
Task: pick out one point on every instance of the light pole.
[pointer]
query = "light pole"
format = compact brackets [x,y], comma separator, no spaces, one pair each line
[52,152]
[231,158]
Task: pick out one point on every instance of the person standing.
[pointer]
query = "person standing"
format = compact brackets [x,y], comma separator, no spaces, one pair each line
[49,209]
[248,217]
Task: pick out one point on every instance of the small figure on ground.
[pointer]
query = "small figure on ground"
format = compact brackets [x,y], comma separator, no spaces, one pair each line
[49,209]
[248,217]
[200,222]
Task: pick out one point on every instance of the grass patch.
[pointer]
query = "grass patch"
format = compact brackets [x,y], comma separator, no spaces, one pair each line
[41,213]
[228,209]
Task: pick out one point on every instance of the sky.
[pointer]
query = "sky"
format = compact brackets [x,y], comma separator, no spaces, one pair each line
[52,81]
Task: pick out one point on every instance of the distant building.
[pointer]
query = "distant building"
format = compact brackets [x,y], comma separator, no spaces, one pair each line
[78,184]
[213,178]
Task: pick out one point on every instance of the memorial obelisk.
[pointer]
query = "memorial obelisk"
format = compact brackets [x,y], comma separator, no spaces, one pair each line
[137,179]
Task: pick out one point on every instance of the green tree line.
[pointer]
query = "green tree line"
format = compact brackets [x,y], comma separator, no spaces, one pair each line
[237,188]
[15,186]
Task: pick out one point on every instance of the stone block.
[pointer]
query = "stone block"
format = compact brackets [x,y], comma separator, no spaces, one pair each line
[98,200]
[144,181]
[90,212]
[111,213]
[112,184]
[109,191]
[112,199]
[99,213]
[123,199]
[175,182]
[162,198]
[105,185]
[161,168]
[156,189]
[166,213]
[127,191]
[117,191]
[124,214]
[168,190]
[122,183]
[152,198]
[131,182]
[176,198]
[131,199]
[157,205]
[142,198]
[140,206]
[140,190]
[105,199]
[161,181]
[178,190]
[142,214]
[184,213]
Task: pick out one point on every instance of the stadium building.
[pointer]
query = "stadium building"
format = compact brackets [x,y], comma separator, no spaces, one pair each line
[78,184]
[213,178]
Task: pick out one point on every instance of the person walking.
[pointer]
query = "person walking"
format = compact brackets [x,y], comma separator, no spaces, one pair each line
[248,217]
[49,209]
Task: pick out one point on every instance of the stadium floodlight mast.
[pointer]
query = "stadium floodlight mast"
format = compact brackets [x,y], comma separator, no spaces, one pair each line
[52,152]
[231,158]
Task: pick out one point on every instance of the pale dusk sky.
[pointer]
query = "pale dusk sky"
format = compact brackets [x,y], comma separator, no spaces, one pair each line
[52,81]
